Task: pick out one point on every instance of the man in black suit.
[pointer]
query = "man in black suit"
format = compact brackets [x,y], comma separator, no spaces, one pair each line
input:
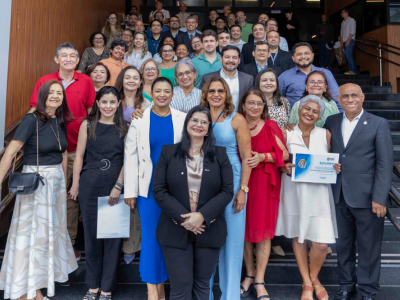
[278,57]
[213,15]
[186,37]
[259,36]
[238,82]
[365,149]
[261,54]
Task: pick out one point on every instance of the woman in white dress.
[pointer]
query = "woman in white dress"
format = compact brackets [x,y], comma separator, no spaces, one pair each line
[307,210]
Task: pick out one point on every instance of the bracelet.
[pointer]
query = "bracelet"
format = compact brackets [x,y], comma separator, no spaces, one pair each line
[117,188]
[119,183]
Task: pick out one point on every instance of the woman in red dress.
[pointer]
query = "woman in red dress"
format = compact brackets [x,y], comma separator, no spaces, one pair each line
[269,153]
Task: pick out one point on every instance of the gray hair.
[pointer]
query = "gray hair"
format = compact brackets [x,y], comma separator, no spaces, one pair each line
[191,17]
[68,46]
[185,61]
[315,99]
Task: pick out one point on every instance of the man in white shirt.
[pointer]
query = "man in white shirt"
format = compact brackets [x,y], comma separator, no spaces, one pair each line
[237,41]
[159,7]
[347,39]
[238,82]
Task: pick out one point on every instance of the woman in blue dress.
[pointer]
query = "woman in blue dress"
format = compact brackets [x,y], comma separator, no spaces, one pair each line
[160,125]
[231,130]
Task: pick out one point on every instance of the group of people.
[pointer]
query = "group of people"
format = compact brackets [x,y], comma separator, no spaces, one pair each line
[198,143]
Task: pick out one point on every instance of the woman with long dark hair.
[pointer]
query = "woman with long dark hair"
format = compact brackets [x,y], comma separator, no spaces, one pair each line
[39,250]
[112,30]
[130,85]
[316,84]
[101,142]
[231,131]
[94,54]
[159,126]
[277,105]
[196,202]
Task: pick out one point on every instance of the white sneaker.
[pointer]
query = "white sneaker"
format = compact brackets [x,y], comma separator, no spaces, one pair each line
[128,258]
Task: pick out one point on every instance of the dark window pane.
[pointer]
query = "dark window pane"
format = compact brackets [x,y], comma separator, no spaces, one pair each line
[277,3]
[247,3]
[217,3]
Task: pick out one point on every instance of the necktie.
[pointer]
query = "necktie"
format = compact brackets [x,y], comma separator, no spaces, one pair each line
[191,36]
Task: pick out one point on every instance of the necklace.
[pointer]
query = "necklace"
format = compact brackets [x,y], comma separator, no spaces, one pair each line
[255,126]
[169,110]
[57,136]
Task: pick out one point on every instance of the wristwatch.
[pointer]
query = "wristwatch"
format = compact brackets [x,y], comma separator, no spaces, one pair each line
[244,188]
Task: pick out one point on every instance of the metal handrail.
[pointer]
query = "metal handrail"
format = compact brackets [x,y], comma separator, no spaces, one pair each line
[378,42]
[379,57]
[394,196]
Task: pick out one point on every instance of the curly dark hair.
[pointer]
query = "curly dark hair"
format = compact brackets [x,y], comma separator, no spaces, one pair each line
[327,94]
[93,35]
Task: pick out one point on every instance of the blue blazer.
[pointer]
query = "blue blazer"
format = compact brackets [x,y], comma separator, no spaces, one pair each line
[367,160]
[183,38]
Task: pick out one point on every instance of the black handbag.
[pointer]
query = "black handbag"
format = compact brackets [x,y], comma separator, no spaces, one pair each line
[26,183]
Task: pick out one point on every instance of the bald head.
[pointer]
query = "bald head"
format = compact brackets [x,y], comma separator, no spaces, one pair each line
[351,98]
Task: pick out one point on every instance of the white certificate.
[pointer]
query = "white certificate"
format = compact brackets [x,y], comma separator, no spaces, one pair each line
[317,168]
[113,221]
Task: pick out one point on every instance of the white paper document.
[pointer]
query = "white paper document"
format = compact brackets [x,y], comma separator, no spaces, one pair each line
[316,168]
[113,221]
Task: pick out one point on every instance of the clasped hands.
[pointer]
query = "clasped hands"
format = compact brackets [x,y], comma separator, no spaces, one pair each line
[194,222]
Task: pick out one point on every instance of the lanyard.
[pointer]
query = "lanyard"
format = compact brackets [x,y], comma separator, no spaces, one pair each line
[273,57]
[217,118]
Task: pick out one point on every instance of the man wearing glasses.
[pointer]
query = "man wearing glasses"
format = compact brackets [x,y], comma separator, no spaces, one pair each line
[261,54]
[212,16]
[246,27]
[174,25]
[272,25]
[259,36]
[157,16]
[227,11]
[292,82]
[159,8]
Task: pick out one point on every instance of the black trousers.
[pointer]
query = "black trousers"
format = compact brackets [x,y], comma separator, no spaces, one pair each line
[190,271]
[102,255]
[363,225]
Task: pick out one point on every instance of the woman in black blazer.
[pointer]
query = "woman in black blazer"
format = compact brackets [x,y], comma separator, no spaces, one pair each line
[193,183]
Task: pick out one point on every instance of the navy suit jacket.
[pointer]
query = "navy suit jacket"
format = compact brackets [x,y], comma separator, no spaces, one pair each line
[367,160]
[252,70]
[283,60]
[183,38]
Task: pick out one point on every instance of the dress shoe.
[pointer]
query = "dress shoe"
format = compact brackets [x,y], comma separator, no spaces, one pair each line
[343,295]
[367,298]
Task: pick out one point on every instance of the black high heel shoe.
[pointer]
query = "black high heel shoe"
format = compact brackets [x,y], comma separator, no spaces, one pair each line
[255,291]
[246,293]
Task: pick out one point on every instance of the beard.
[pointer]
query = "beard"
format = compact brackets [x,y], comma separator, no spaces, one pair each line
[300,65]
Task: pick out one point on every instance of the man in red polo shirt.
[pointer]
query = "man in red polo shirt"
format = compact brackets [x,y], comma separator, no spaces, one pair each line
[80,94]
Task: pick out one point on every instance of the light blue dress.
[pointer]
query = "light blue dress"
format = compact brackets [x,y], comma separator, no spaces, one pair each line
[231,255]
[152,265]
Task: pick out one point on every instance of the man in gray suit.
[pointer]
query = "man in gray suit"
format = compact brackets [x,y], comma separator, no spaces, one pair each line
[238,82]
[365,149]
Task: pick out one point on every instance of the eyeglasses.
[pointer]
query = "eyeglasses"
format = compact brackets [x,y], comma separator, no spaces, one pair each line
[127,35]
[168,51]
[156,25]
[241,15]
[196,43]
[219,91]
[150,69]
[174,21]
[98,39]
[112,18]
[317,83]
[181,74]
[272,25]
[252,103]
[261,50]
[220,23]
[203,123]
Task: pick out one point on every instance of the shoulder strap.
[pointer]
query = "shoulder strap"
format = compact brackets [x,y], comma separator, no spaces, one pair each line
[37,143]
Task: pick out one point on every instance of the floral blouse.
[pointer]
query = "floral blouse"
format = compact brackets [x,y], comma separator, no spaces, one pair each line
[89,57]
[280,113]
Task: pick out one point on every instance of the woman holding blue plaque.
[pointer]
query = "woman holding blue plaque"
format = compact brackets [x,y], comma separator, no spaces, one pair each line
[307,210]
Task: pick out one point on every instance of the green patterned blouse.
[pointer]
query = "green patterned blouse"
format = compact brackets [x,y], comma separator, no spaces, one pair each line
[330,109]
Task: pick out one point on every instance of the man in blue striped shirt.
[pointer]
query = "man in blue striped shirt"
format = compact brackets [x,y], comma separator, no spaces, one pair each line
[293,82]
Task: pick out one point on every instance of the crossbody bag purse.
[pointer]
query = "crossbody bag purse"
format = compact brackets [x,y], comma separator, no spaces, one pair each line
[26,183]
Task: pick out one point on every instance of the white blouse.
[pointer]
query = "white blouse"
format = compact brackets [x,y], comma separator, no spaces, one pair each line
[135,59]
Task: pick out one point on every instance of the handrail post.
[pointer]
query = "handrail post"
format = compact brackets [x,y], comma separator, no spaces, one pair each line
[380,64]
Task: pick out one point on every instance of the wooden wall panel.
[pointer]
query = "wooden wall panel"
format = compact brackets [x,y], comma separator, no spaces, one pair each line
[37,28]
[393,70]
[336,5]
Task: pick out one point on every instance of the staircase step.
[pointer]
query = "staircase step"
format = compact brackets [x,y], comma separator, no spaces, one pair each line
[359,76]
[396,152]
[360,82]
[377,89]
[396,137]
[394,125]
[382,97]
[389,114]
[381,104]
